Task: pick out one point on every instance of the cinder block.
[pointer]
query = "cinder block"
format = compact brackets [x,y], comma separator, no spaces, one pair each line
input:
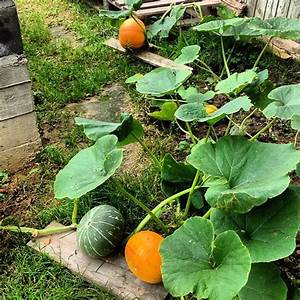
[18,131]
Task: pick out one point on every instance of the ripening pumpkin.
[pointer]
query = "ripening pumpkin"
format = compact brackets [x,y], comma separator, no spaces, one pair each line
[210,109]
[132,33]
[142,256]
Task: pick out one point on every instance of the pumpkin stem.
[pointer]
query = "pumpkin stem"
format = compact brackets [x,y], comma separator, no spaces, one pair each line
[75,211]
[141,205]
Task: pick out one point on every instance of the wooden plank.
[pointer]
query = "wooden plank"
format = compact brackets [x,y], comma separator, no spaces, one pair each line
[260,8]
[160,3]
[13,70]
[251,7]
[237,7]
[16,100]
[160,10]
[294,9]
[146,56]
[271,9]
[111,273]
[18,131]
[282,8]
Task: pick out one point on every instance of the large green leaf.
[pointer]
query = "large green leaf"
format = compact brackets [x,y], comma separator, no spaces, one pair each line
[196,112]
[191,112]
[264,283]
[219,26]
[188,54]
[285,102]
[88,169]
[114,14]
[275,27]
[127,130]
[167,112]
[134,4]
[173,171]
[162,81]
[193,261]
[191,94]
[242,172]
[268,231]
[236,82]
[163,26]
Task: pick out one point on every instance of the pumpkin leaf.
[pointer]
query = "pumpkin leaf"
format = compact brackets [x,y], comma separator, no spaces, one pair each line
[134,4]
[167,112]
[191,112]
[285,102]
[197,199]
[295,122]
[193,261]
[176,176]
[125,130]
[268,231]
[236,82]
[239,171]
[173,171]
[219,26]
[88,169]
[264,283]
[196,112]
[136,132]
[163,26]
[162,81]
[135,78]
[114,14]
[191,94]
[188,54]
[276,27]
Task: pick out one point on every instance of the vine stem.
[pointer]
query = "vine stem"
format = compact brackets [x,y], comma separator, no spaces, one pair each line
[228,60]
[239,126]
[296,138]
[262,130]
[191,133]
[187,132]
[188,203]
[207,68]
[157,208]
[229,125]
[75,211]
[247,117]
[151,154]
[207,214]
[224,57]
[38,232]
[208,133]
[262,52]
[141,205]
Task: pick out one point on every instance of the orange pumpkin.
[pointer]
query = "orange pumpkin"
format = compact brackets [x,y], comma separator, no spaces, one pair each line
[132,33]
[210,109]
[142,256]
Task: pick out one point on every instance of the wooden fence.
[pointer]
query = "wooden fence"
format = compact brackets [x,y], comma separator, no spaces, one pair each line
[274,8]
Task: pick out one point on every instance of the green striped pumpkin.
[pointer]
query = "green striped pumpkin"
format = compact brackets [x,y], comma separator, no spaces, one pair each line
[100,231]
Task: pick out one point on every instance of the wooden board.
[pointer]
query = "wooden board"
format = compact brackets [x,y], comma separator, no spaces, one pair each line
[111,273]
[148,57]
[274,8]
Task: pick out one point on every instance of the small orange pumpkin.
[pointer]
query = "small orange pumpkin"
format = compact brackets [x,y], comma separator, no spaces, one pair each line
[210,109]
[142,256]
[132,33]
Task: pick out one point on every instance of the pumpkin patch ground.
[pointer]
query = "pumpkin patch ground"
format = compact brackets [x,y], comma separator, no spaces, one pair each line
[187,179]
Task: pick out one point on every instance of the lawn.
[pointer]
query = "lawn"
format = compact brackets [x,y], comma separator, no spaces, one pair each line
[68,63]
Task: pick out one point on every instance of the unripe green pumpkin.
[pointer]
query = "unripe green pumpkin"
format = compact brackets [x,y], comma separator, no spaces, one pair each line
[100,231]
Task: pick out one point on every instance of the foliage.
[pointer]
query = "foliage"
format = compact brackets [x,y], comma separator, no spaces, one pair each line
[163,26]
[88,169]
[196,262]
